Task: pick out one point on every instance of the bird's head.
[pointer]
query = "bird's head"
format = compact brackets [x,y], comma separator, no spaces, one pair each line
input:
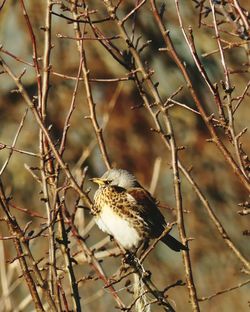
[117,177]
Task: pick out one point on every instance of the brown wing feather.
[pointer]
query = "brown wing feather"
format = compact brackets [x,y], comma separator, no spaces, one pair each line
[148,210]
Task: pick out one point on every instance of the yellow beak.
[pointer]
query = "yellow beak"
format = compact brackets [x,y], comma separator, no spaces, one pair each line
[98,181]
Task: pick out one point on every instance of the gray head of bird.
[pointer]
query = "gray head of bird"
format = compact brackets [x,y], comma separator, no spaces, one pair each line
[117,177]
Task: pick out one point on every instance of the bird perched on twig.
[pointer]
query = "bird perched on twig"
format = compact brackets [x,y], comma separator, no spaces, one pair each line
[125,210]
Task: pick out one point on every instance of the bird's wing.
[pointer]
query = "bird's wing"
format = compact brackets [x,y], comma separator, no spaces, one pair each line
[148,210]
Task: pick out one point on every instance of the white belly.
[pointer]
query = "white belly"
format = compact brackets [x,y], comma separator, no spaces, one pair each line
[120,229]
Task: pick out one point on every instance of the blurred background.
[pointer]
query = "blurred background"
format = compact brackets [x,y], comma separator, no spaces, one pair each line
[130,143]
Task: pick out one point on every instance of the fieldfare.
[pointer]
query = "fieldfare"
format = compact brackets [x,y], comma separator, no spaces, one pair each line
[125,210]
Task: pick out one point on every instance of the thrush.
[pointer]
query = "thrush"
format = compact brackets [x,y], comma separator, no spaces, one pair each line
[128,212]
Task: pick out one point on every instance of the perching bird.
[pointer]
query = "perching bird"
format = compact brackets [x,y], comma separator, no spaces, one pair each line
[125,210]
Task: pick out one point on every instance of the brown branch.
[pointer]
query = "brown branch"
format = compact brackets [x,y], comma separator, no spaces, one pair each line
[224,291]
[23,250]
[70,112]
[79,21]
[159,104]
[86,38]
[12,147]
[31,105]
[48,180]
[241,98]
[228,90]
[132,12]
[15,57]
[197,189]
[92,79]
[175,57]
[147,282]
[90,100]
[95,264]
[65,247]
[27,211]
[34,48]
[213,88]
[2,5]
[242,15]
[152,246]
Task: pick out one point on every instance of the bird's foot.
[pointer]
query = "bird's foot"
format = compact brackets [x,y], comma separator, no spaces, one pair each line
[146,275]
[128,258]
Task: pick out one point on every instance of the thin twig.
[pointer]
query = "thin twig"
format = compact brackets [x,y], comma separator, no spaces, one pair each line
[90,100]
[224,291]
[12,147]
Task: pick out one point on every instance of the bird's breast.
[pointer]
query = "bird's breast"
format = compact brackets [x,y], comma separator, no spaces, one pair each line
[116,225]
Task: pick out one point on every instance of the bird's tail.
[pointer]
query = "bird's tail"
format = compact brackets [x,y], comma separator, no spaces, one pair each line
[173,243]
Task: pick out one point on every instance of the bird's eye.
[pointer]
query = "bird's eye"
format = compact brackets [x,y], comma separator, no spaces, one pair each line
[107,182]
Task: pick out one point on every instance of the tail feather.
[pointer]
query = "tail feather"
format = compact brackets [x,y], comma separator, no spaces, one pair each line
[173,243]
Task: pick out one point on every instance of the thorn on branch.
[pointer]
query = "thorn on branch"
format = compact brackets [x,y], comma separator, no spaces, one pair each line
[210,140]
[128,60]
[62,241]
[137,41]
[225,236]
[136,106]
[146,44]
[207,10]
[210,117]
[181,148]
[228,90]
[155,130]
[34,98]
[148,75]
[167,32]
[86,278]
[244,34]
[44,199]
[241,133]
[146,275]
[127,283]
[156,84]
[2,146]
[189,239]
[21,75]
[73,260]
[152,104]
[177,283]
[167,136]
[26,227]
[87,117]
[30,233]
[246,232]
[163,49]
[15,91]
[9,198]
[246,208]
[87,191]
[16,258]
[44,28]
[162,10]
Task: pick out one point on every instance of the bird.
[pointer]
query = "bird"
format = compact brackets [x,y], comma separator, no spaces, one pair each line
[125,210]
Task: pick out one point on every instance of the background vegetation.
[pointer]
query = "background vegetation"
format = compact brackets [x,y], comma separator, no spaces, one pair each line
[160,88]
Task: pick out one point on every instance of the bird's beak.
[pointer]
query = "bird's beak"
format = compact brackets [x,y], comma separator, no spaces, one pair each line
[98,181]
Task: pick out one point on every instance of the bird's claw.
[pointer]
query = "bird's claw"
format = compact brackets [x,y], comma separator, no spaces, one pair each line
[128,258]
